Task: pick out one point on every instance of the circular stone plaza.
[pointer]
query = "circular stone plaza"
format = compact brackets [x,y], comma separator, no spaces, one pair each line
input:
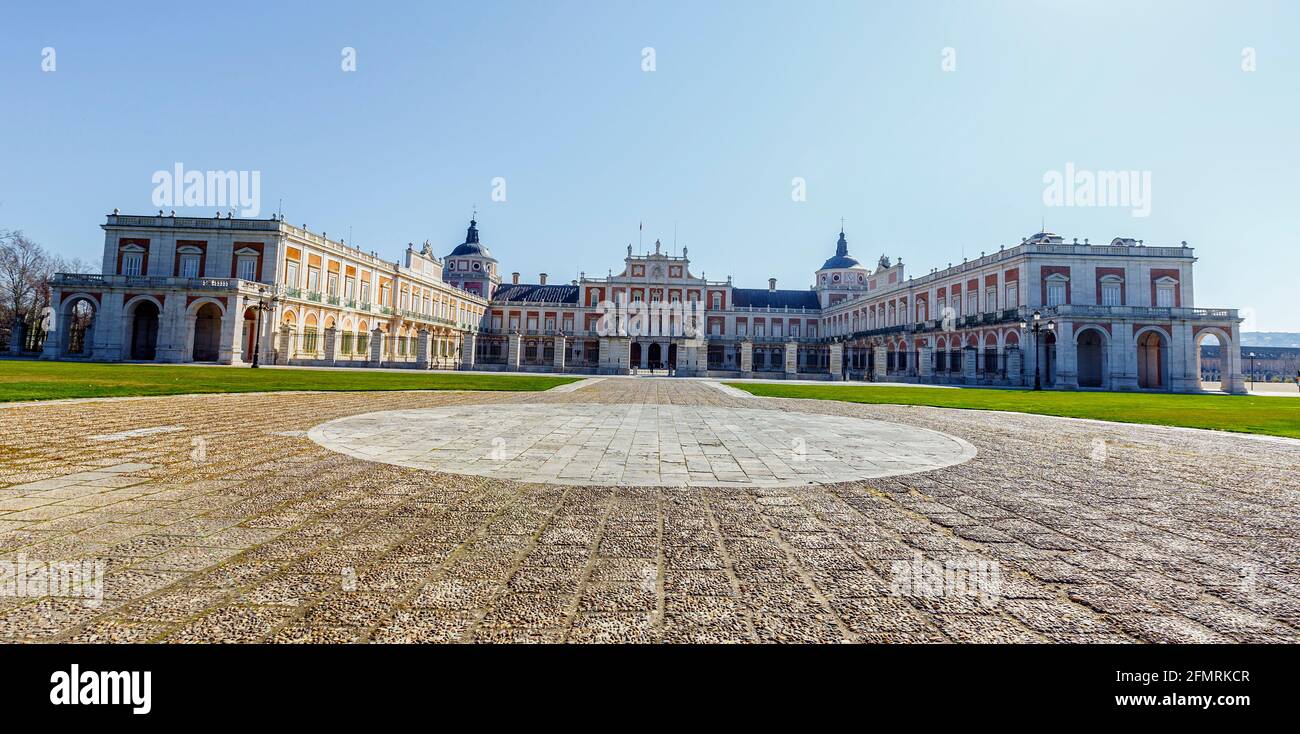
[638,509]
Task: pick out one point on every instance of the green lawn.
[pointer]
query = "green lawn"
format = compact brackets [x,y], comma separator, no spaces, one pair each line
[1275,416]
[32,380]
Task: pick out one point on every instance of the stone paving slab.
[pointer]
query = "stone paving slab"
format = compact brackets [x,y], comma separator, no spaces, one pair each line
[240,528]
[642,445]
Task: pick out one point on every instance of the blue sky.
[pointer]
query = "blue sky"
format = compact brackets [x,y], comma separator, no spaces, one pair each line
[922,163]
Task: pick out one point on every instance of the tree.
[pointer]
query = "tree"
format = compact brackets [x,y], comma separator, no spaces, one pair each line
[25,272]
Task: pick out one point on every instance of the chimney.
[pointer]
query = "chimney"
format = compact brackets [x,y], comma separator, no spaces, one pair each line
[771,284]
[514,278]
[542,278]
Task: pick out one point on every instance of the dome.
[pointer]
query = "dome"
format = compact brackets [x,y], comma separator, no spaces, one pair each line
[838,261]
[471,246]
[842,258]
[1044,238]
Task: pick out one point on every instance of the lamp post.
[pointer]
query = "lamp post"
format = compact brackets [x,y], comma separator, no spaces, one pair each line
[1252,370]
[1036,326]
[263,305]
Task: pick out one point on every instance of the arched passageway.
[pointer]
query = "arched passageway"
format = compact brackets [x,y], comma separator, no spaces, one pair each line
[1151,361]
[207,333]
[144,331]
[1091,355]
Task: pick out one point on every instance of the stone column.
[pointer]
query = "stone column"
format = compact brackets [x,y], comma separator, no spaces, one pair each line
[109,326]
[560,345]
[171,331]
[514,352]
[924,361]
[968,356]
[1122,356]
[836,367]
[376,348]
[1183,363]
[331,337]
[1234,381]
[231,350]
[468,345]
[791,358]
[424,349]
[747,358]
[614,354]
[880,368]
[1014,374]
[284,344]
[1067,360]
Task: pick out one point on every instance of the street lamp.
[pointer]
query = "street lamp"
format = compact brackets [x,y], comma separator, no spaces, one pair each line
[261,306]
[1037,326]
[1252,370]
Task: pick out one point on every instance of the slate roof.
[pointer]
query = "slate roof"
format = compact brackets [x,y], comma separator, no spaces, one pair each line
[764,298]
[536,293]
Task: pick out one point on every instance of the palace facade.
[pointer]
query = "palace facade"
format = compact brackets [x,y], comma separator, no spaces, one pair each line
[1067,315]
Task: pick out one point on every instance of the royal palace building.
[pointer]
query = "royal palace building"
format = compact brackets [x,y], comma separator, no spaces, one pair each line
[1066,315]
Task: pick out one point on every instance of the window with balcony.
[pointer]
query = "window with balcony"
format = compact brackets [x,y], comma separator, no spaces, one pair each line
[246,267]
[1165,296]
[291,274]
[1013,296]
[132,263]
[1110,291]
[991,299]
[1056,293]
[189,265]
[313,280]
[332,287]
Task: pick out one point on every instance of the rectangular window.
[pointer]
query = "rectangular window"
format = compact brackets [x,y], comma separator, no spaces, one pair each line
[1165,297]
[973,303]
[132,263]
[333,287]
[991,299]
[291,274]
[1110,294]
[365,293]
[1055,294]
[1013,296]
[347,288]
[189,266]
[246,268]
[313,280]
[717,300]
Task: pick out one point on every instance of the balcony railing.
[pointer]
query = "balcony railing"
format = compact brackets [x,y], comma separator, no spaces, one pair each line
[1141,312]
[149,281]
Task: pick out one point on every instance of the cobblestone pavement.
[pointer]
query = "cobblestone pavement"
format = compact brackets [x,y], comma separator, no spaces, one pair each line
[217,519]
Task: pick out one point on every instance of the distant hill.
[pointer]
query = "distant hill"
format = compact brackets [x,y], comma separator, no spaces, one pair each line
[1270,339]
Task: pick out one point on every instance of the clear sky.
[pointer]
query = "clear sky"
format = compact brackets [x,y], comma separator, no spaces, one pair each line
[922,163]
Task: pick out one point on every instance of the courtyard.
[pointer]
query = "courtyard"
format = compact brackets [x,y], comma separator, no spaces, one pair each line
[638,510]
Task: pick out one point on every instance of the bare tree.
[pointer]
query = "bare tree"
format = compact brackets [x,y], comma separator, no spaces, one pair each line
[25,272]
